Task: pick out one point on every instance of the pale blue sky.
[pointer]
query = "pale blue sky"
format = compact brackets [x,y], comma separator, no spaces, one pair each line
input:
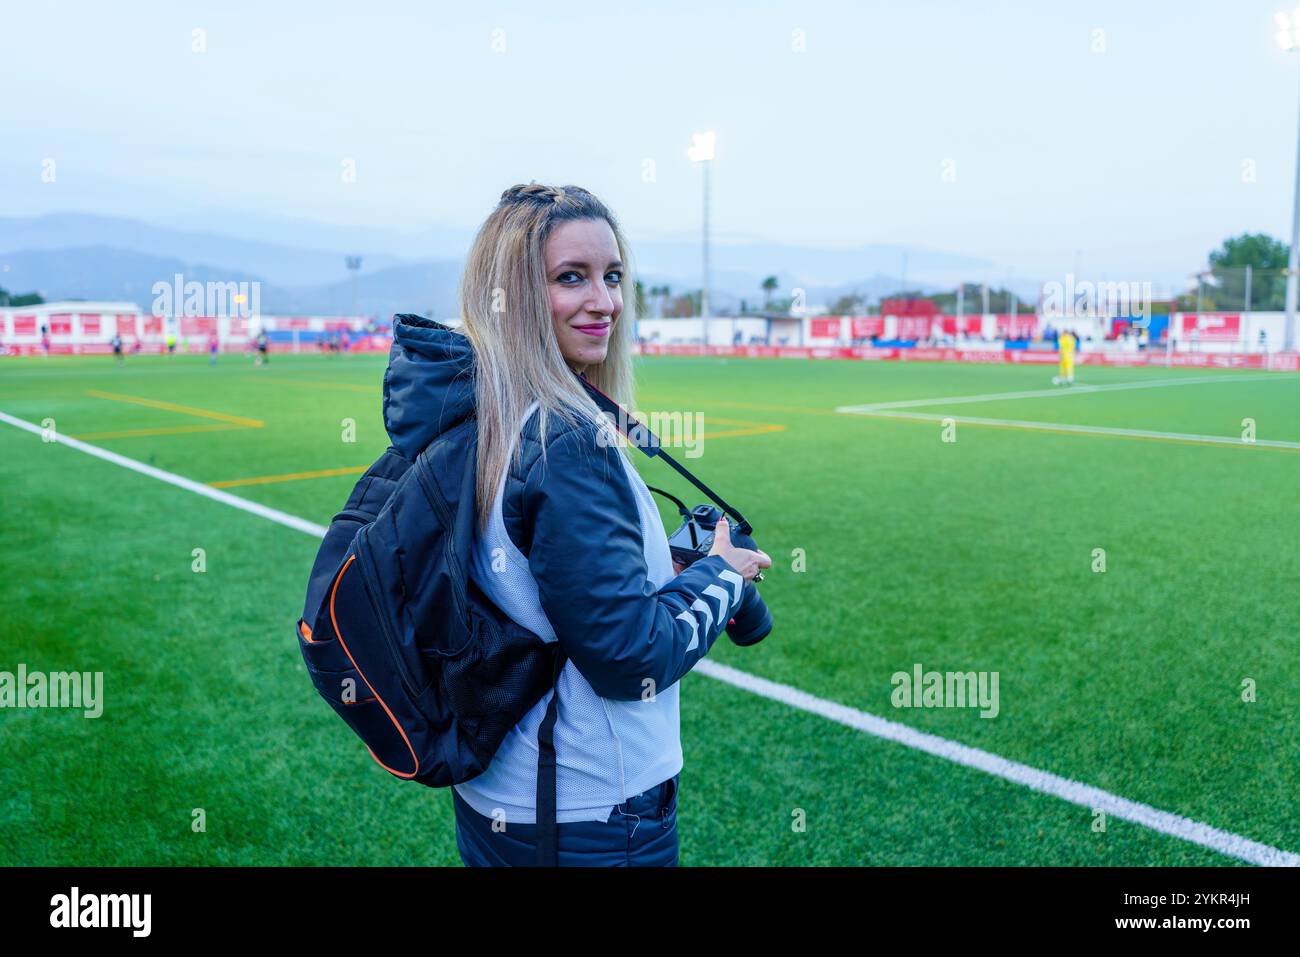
[1133,156]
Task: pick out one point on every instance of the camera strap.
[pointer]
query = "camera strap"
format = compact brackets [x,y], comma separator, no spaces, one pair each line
[649,443]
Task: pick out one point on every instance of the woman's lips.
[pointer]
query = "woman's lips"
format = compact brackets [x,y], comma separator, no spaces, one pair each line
[594,329]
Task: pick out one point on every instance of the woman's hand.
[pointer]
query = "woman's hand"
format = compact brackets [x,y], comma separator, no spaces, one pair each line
[743,560]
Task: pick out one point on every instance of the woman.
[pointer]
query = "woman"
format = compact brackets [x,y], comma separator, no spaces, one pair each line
[570,543]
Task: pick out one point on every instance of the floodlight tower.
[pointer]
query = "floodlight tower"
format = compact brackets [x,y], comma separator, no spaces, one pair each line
[354,267]
[1288,38]
[701,151]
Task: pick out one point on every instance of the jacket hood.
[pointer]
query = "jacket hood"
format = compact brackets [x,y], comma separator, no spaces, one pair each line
[429,384]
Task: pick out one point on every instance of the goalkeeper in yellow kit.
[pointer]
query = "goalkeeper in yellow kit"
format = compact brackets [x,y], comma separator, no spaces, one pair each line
[1065,345]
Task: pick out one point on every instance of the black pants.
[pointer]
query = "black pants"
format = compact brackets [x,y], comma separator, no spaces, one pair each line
[640,832]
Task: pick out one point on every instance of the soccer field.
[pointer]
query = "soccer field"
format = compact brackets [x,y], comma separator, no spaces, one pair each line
[946,518]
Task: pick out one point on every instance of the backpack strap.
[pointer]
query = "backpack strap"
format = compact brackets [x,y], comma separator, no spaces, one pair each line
[548,852]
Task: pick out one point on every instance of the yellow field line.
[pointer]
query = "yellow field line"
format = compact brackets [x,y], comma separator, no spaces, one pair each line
[757,430]
[172,430]
[183,409]
[754,428]
[290,477]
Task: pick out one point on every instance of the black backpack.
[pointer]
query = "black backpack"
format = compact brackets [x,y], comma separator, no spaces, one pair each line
[405,647]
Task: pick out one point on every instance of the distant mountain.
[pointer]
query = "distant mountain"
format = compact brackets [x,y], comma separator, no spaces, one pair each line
[428,288]
[105,272]
[279,263]
[808,267]
[436,242]
[74,255]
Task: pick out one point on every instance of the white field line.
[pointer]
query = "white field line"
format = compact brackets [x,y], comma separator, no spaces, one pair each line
[1044,782]
[207,491]
[1085,429]
[1058,392]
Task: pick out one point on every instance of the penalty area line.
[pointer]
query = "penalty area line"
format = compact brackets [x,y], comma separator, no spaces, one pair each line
[1043,782]
[1064,427]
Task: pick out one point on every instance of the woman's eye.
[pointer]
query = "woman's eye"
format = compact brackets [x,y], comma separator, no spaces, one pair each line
[618,277]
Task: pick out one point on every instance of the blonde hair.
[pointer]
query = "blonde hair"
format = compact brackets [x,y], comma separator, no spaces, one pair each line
[506,311]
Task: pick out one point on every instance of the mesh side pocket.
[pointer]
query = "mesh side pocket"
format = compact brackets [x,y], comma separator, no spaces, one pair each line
[504,672]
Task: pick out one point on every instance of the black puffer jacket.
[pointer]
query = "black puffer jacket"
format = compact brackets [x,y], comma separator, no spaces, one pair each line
[575,517]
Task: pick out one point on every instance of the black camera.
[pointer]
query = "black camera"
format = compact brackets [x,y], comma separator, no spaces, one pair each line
[752,621]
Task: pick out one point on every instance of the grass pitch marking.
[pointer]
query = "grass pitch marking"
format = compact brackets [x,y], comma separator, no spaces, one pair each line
[1087,430]
[168,430]
[290,477]
[1058,392]
[1043,782]
[225,498]
[183,409]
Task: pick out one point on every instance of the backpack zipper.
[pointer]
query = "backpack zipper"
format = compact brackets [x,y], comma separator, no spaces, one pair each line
[371,589]
[434,495]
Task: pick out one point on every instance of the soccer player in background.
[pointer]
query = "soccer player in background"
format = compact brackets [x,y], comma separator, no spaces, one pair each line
[1065,345]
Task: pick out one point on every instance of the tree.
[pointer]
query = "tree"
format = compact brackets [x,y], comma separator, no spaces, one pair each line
[1000,300]
[769,286]
[30,299]
[660,295]
[640,298]
[1267,259]
[683,306]
[850,305]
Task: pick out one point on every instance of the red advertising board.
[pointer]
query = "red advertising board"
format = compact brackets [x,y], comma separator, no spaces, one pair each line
[125,325]
[90,324]
[1212,326]
[825,327]
[1020,326]
[1282,361]
[61,324]
[906,306]
[864,327]
[914,327]
[24,325]
[198,325]
[970,325]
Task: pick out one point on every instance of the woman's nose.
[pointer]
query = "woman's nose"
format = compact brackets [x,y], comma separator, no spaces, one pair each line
[603,302]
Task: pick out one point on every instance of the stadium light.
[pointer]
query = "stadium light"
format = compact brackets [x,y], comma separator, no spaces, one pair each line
[354,267]
[1288,38]
[701,151]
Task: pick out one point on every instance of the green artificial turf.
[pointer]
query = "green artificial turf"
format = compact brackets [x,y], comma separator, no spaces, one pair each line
[970,555]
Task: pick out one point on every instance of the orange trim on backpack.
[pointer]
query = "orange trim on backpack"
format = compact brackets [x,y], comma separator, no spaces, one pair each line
[304,629]
[383,704]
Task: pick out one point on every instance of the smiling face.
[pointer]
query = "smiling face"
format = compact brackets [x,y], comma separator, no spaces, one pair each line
[583,277]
